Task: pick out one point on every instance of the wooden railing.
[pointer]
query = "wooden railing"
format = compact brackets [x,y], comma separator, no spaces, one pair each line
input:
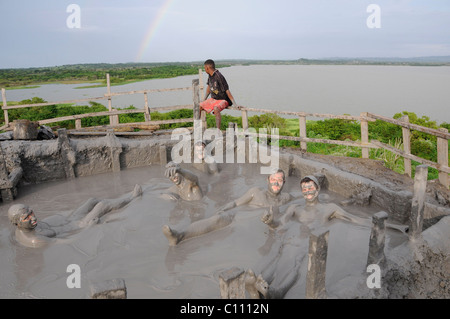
[112,113]
[197,86]
[442,138]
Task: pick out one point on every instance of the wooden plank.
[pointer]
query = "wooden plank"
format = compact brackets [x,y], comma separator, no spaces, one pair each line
[147,91]
[158,122]
[437,166]
[170,108]
[313,140]
[81,116]
[87,133]
[411,126]
[342,117]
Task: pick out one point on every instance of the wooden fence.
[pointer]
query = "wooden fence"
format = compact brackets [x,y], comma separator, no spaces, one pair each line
[197,86]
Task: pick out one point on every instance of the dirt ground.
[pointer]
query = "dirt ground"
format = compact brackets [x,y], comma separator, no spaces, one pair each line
[376,171]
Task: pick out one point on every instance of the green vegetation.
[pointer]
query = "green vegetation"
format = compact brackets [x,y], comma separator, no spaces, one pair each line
[81,73]
[422,144]
[122,73]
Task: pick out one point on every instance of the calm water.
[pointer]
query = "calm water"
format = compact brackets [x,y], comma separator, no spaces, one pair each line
[383,90]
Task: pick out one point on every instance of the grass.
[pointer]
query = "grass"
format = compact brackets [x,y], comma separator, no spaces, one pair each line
[392,161]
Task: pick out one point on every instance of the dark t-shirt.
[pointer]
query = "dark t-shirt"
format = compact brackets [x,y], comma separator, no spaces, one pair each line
[218,87]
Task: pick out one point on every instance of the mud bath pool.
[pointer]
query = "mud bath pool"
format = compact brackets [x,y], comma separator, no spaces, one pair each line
[129,243]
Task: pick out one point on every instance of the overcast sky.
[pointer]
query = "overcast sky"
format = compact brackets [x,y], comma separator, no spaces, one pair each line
[46,33]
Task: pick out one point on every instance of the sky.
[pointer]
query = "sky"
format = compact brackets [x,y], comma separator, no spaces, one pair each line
[58,32]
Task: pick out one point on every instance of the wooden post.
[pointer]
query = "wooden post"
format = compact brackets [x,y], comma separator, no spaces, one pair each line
[232,283]
[5,112]
[377,240]
[68,156]
[147,115]
[315,278]
[196,99]
[406,145]
[244,120]
[202,95]
[302,134]
[203,118]
[115,150]
[442,158]
[202,89]
[78,124]
[8,188]
[418,202]
[108,86]
[364,135]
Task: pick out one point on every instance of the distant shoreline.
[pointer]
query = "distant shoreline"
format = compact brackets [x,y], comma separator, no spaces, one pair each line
[126,73]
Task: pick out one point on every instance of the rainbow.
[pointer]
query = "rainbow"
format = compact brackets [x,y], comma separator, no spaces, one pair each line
[152,28]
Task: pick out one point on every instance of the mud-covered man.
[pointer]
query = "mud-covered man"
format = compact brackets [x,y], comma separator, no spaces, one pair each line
[33,233]
[186,183]
[278,272]
[272,196]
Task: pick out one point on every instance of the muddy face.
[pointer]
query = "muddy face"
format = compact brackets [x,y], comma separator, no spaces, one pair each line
[176,178]
[27,220]
[276,182]
[310,191]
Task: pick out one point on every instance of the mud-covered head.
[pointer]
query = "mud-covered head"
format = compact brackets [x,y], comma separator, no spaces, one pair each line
[276,181]
[22,216]
[310,188]
[199,149]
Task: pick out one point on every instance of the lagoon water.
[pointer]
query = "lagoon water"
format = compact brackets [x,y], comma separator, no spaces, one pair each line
[343,89]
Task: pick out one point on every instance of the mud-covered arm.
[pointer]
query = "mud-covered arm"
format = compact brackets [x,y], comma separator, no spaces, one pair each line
[244,199]
[172,168]
[188,175]
[341,214]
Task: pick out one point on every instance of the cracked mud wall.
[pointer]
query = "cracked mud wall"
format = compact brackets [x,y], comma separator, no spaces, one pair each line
[420,269]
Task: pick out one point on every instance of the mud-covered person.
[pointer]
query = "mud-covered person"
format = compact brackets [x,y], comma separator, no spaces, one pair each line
[186,183]
[316,214]
[221,96]
[33,233]
[279,271]
[259,197]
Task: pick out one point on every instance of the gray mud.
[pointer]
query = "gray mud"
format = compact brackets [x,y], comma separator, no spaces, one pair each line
[130,244]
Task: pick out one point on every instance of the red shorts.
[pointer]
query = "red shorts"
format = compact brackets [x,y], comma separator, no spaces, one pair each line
[209,105]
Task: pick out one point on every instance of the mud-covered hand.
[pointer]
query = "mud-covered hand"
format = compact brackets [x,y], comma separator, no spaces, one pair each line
[171,169]
[270,215]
